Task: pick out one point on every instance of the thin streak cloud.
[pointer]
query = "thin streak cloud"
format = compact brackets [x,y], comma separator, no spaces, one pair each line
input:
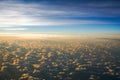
[14,29]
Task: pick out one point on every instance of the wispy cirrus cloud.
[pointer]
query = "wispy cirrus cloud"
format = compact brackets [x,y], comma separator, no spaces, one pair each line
[13,29]
[14,13]
[20,15]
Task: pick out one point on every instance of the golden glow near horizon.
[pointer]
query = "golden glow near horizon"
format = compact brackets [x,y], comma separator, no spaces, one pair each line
[55,35]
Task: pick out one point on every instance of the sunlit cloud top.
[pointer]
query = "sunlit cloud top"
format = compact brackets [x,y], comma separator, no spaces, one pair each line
[59,16]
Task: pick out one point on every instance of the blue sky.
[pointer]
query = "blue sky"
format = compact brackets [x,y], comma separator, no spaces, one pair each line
[59,16]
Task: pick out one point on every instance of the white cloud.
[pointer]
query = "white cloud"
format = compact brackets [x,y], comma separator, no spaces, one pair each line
[13,29]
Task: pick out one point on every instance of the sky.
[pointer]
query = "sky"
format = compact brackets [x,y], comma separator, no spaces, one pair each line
[20,17]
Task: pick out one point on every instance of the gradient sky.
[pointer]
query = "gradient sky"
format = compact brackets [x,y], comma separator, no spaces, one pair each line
[59,16]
